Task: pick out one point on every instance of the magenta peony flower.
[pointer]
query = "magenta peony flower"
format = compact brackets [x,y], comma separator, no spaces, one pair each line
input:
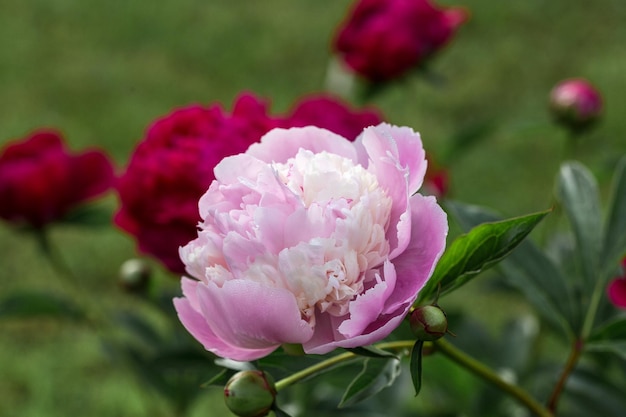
[383,39]
[40,181]
[575,103]
[330,113]
[173,166]
[616,290]
[311,239]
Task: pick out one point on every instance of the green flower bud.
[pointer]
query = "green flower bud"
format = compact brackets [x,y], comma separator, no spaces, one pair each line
[135,276]
[250,393]
[428,323]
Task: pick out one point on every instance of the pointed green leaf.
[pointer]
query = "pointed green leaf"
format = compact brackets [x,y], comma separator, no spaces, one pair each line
[279,413]
[372,352]
[219,379]
[92,215]
[376,375]
[614,247]
[530,271]
[37,304]
[595,393]
[484,246]
[416,366]
[577,192]
[614,330]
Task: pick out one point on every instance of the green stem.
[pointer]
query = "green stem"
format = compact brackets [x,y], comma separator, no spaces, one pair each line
[328,363]
[481,370]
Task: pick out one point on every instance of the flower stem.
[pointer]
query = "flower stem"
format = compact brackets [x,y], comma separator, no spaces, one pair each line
[330,362]
[481,370]
[567,370]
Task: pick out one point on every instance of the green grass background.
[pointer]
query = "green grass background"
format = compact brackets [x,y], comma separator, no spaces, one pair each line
[101,71]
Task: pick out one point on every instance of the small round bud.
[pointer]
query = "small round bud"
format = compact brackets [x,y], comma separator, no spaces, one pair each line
[135,276]
[575,103]
[428,323]
[250,393]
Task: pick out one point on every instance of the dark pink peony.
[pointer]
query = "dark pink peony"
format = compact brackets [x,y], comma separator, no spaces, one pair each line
[383,39]
[575,103]
[616,290]
[312,239]
[173,166]
[333,114]
[40,181]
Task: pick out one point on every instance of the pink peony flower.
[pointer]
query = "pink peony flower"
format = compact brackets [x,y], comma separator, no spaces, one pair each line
[384,39]
[575,103]
[173,166]
[333,114]
[616,290]
[40,181]
[311,239]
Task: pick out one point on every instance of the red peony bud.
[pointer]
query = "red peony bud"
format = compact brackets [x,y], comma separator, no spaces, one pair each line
[616,290]
[575,103]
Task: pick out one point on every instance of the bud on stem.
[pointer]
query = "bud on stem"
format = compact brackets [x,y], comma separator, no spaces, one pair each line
[250,393]
[428,323]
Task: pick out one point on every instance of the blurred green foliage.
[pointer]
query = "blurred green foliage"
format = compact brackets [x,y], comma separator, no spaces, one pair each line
[101,71]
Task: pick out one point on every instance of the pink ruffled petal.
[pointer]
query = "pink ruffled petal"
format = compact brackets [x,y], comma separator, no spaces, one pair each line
[367,307]
[247,314]
[195,324]
[326,339]
[429,228]
[383,161]
[279,145]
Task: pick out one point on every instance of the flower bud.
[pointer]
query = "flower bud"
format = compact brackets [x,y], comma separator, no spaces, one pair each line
[135,276]
[250,393]
[575,103]
[428,323]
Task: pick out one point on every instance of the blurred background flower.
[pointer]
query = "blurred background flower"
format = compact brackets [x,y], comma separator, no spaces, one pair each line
[41,180]
[576,104]
[384,39]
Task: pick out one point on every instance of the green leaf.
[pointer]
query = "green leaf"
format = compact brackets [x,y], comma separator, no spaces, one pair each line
[37,304]
[615,347]
[613,330]
[92,215]
[372,352]
[532,273]
[415,366]
[219,379]
[279,413]
[376,375]
[484,246]
[614,247]
[595,393]
[577,192]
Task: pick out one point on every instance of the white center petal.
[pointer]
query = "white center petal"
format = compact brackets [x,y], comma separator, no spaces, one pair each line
[324,272]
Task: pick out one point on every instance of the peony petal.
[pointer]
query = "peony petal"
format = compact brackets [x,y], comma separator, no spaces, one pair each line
[429,228]
[252,316]
[325,340]
[367,307]
[383,161]
[279,145]
[199,329]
